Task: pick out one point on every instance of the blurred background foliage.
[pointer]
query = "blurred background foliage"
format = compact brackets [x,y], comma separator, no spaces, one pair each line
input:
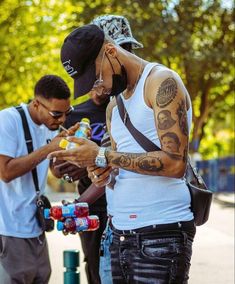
[193,37]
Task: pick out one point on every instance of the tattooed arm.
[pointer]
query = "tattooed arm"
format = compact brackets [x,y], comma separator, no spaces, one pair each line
[166,95]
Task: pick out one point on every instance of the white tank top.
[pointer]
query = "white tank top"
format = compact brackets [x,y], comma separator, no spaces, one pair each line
[141,200]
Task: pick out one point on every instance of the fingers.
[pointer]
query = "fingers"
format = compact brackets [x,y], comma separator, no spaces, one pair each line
[99,175]
[102,182]
[79,141]
[78,174]
[58,154]
[62,167]
[73,129]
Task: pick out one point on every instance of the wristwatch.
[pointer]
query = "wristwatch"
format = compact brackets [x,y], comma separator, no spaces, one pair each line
[100,159]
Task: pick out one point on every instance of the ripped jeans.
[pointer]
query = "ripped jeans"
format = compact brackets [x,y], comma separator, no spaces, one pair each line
[152,256]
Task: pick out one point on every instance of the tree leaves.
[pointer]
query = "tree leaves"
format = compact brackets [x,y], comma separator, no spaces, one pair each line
[195,38]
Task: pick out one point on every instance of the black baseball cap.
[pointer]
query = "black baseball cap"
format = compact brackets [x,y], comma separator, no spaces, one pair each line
[78,54]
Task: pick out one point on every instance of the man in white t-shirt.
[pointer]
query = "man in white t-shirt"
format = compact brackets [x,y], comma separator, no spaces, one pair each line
[24,254]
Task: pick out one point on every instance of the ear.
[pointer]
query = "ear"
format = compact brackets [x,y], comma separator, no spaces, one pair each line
[35,103]
[110,49]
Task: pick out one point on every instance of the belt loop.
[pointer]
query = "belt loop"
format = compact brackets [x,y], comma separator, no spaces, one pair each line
[138,240]
[39,240]
[179,225]
[185,236]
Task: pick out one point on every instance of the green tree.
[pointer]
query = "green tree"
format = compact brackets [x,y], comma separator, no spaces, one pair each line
[193,37]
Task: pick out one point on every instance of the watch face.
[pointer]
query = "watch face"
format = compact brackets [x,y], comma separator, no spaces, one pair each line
[100,162]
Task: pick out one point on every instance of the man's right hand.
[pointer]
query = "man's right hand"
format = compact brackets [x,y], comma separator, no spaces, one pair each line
[60,168]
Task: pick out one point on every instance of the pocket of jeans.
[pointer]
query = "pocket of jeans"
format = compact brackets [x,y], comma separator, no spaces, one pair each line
[162,248]
[3,241]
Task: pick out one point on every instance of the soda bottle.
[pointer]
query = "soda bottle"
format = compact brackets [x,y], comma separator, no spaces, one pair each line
[65,144]
[60,212]
[83,131]
[73,225]
[84,128]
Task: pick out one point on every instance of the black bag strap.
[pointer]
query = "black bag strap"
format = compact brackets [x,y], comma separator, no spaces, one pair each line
[143,141]
[29,144]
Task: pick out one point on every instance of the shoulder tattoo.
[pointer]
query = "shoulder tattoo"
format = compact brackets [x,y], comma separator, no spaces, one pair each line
[166,92]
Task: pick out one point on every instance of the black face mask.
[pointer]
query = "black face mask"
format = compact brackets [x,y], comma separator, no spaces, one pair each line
[119,81]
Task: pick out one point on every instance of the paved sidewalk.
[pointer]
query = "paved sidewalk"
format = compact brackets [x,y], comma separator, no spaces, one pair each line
[227,198]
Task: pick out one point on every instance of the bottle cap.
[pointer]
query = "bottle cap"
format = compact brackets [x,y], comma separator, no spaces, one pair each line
[63,143]
[85,119]
[47,213]
[81,204]
[60,226]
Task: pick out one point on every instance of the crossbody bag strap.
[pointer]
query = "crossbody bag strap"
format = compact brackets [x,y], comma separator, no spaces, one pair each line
[29,144]
[143,141]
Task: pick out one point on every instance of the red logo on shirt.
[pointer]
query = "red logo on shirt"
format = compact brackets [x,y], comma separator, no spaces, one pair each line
[133,216]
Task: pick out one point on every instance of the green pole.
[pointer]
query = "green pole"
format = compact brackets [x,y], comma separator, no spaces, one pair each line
[71,262]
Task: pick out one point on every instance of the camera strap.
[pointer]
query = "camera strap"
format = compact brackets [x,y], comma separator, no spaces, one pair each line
[29,144]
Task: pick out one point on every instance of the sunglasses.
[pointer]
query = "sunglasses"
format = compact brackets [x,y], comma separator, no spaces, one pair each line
[57,114]
[99,82]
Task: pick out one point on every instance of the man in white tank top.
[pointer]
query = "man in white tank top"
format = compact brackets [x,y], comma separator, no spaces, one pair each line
[153,225]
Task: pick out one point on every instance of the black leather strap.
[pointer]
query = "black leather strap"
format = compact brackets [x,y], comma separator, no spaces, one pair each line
[143,141]
[29,144]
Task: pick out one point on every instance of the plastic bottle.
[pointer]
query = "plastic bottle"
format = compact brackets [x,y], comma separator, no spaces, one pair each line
[65,144]
[84,129]
[73,225]
[82,132]
[60,212]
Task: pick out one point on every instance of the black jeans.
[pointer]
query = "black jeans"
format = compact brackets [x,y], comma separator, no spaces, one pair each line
[158,255]
[91,246]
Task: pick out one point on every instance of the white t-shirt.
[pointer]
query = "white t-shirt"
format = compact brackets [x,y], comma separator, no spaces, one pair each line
[17,198]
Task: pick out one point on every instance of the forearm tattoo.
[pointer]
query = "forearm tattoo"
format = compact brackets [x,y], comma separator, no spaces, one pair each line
[165,120]
[150,164]
[124,160]
[182,115]
[166,92]
[136,162]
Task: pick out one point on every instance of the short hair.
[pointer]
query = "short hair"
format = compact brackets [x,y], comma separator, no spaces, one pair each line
[52,86]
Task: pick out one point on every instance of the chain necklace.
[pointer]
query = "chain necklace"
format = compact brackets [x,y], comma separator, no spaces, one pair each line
[133,89]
